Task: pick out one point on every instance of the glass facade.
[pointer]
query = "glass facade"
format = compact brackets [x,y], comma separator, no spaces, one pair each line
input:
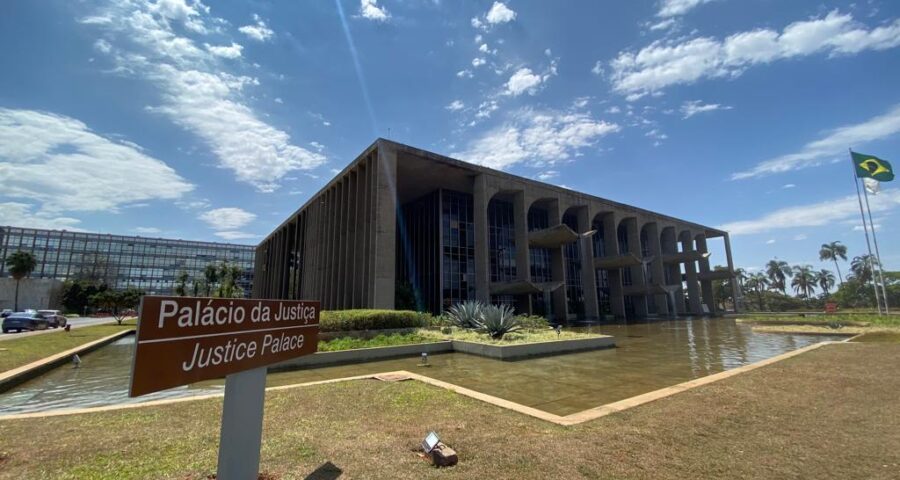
[574,289]
[541,271]
[458,247]
[150,264]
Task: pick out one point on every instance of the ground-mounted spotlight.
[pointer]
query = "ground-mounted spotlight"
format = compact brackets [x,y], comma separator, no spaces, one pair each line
[438,452]
[76,360]
[558,329]
[424,362]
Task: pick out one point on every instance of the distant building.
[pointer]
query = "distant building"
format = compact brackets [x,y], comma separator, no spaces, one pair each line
[150,264]
[444,231]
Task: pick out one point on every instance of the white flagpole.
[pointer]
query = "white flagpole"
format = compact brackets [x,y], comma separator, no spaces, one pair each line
[877,253]
[865,229]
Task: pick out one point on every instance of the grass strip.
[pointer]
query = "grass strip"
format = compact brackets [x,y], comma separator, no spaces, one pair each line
[17,352]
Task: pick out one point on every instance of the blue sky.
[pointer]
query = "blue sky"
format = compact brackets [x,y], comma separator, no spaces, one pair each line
[214,121]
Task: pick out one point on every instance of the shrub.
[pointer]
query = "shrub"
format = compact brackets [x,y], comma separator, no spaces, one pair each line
[346,320]
[466,314]
[498,320]
[534,322]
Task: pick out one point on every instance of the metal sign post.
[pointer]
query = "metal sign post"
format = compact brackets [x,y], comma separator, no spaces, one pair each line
[242,420]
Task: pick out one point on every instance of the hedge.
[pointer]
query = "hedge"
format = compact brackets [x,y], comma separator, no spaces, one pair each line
[346,320]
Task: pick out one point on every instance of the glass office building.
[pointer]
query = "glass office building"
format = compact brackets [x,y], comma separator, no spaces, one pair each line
[150,264]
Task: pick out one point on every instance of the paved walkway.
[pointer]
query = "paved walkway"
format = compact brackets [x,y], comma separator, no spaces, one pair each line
[76,322]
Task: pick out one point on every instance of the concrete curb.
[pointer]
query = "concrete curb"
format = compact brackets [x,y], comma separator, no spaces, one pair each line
[526,350]
[17,376]
[361,355]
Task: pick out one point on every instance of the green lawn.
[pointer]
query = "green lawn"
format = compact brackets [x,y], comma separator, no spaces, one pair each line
[831,413]
[21,351]
[424,335]
[860,320]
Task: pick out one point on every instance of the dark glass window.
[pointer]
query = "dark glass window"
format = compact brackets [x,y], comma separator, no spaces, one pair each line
[458,257]
[502,241]
[574,290]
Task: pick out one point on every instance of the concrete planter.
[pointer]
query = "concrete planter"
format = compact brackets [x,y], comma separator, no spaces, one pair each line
[525,350]
[504,352]
[361,355]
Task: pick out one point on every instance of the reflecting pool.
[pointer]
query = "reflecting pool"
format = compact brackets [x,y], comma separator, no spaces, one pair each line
[648,356]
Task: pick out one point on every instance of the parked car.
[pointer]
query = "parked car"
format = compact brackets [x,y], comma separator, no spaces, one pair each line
[25,321]
[5,313]
[55,317]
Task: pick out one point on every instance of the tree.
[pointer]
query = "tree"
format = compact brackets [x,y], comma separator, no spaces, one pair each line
[833,251]
[118,302]
[211,274]
[778,272]
[825,279]
[862,266]
[758,282]
[804,281]
[20,265]
[228,281]
[181,286]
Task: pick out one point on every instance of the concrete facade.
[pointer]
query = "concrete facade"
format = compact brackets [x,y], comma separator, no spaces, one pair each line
[35,293]
[447,230]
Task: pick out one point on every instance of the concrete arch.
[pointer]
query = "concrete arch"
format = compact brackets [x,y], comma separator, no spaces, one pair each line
[667,241]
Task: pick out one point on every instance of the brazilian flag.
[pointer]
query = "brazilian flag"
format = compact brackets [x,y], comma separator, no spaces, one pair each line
[869,166]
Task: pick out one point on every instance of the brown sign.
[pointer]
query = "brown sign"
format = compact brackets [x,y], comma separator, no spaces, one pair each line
[182,340]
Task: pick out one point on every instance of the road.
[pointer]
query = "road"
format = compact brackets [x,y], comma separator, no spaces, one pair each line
[76,322]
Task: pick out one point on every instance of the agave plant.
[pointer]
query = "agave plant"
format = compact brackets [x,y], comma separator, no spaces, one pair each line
[466,314]
[498,320]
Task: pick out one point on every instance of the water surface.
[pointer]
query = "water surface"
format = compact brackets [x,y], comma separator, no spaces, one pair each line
[648,356]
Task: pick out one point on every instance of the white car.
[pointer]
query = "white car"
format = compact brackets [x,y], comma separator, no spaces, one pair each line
[55,317]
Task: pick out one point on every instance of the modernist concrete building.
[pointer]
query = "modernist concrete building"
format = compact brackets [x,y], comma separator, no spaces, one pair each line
[402,218]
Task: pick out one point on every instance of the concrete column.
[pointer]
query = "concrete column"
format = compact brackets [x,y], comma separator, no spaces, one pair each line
[588,275]
[480,199]
[523,260]
[706,286]
[637,273]
[693,285]
[656,267]
[386,227]
[557,266]
[611,241]
[736,292]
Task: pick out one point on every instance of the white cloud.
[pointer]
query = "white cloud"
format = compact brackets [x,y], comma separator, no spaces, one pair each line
[179,10]
[524,80]
[370,9]
[801,236]
[234,51]
[478,61]
[455,105]
[598,69]
[693,107]
[536,138]
[672,8]
[547,175]
[51,160]
[464,74]
[770,241]
[500,13]
[22,215]
[200,95]
[663,25]
[613,109]
[813,215]
[486,108]
[833,145]
[665,63]
[235,235]
[258,31]
[227,219]
[788,185]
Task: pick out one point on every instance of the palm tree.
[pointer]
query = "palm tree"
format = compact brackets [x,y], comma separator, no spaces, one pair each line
[778,272]
[758,282]
[741,275]
[825,279]
[20,265]
[862,267]
[833,251]
[804,281]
